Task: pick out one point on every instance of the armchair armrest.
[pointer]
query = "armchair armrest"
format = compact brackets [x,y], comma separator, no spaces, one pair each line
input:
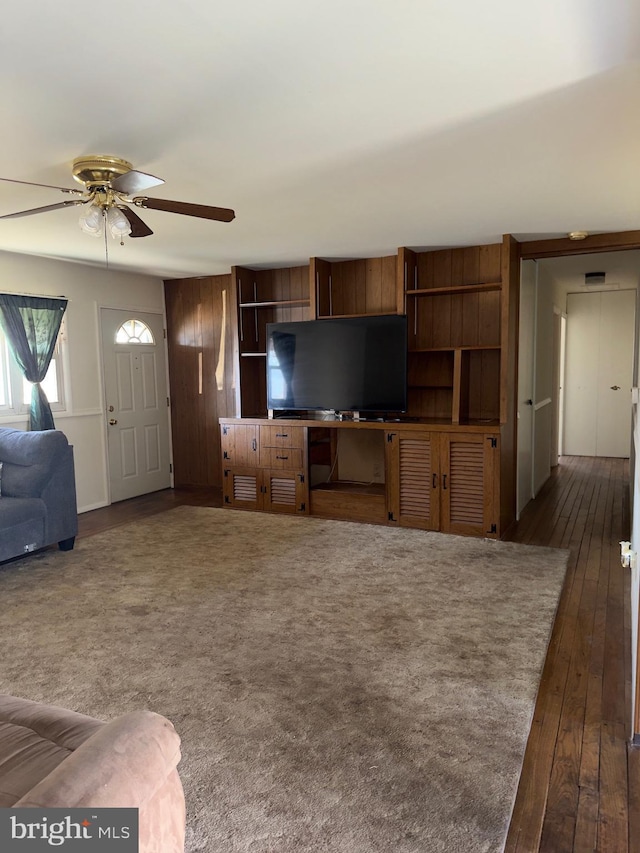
[129,763]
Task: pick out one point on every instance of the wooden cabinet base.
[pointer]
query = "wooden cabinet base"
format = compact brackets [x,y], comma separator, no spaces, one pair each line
[349,503]
[436,477]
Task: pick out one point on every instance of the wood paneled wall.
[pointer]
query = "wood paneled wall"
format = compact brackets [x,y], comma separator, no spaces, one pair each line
[203,387]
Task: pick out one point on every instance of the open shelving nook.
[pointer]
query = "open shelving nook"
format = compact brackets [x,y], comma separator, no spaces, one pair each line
[265,296]
[454,307]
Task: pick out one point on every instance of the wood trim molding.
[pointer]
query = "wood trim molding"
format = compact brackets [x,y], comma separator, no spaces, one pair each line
[618,241]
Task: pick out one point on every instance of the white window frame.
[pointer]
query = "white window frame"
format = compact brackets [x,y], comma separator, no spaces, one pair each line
[12,382]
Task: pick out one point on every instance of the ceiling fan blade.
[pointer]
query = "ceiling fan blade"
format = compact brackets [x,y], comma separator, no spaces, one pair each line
[47,207]
[203,211]
[138,227]
[48,186]
[134,181]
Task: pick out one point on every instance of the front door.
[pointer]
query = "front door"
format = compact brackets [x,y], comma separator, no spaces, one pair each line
[136,403]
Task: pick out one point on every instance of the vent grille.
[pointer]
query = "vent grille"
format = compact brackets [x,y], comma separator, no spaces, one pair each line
[466,497]
[283,491]
[245,487]
[415,478]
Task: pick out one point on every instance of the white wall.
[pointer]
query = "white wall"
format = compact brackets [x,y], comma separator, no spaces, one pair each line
[88,289]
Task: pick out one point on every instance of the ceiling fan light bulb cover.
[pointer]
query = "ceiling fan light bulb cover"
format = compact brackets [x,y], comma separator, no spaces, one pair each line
[118,223]
[91,220]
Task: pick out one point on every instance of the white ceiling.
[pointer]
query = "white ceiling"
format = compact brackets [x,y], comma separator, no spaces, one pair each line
[336,128]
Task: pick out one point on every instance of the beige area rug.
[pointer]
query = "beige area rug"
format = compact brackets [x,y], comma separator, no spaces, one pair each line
[338,687]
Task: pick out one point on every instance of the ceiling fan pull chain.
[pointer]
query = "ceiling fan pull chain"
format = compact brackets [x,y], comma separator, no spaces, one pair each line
[106,246]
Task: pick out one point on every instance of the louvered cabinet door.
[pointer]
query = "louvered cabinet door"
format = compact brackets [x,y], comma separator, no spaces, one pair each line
[241,487]
[285,491]
[413,479]
[468,493]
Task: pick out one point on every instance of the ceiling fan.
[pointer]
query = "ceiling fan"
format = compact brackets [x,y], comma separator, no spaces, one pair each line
[110,184]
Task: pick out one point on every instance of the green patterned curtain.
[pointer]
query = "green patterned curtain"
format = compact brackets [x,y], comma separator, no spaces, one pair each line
[31,324]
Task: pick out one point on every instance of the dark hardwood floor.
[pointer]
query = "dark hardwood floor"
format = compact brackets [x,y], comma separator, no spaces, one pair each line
[580,784]
[579,780]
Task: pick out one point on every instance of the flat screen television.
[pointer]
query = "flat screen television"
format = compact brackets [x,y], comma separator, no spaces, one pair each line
[344,364]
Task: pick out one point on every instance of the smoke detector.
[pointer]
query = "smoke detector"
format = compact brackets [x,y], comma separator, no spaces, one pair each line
[594,277]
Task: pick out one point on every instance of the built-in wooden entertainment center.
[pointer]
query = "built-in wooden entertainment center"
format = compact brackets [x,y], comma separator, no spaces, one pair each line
[447,464]
[410,474]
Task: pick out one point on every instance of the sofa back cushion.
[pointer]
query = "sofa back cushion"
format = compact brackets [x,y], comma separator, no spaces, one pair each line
[28,458]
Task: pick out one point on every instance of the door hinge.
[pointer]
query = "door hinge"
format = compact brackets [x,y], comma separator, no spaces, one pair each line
[494,441]
[302,507]
[164,334]
[167,401]
[226,472]
[225,430]
[301,478]
[226,499]
[225,454]
[494,529]
[390,436]
[390,516]
[170,467]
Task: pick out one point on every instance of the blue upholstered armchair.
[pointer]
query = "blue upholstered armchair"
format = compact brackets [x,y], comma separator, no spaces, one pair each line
[37,492]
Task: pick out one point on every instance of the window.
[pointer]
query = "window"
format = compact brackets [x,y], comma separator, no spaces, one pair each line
[15,391]
[134,332]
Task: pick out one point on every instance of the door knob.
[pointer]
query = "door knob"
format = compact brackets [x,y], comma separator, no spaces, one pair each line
[113,421]
[615,387]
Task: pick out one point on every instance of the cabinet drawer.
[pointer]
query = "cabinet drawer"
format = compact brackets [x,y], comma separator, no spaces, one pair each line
[281,457]
[281,436]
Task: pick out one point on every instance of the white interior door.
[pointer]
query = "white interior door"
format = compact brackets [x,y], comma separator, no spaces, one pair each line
[599,371]
[135,381]
[526,349]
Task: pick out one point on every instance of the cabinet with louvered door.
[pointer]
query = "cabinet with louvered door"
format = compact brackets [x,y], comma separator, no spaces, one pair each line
[241,487]
[469,484]
[260,489]
[264,467]
[285,491]
[413,479]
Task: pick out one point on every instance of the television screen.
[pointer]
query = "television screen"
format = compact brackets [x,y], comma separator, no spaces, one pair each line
[343,364]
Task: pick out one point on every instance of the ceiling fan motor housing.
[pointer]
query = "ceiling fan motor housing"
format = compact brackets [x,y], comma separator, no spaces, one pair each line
[98,170]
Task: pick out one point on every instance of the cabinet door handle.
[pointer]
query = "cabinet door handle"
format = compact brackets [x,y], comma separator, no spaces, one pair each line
[444,481]
[254,444]
[282,435]
[435,481]
[281,457]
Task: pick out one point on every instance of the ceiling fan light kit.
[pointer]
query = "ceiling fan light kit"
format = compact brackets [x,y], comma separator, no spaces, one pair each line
[91,220]
[110,183]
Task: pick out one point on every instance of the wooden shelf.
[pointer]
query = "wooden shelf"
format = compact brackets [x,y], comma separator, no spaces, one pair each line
[456,288]
[275,303]
[348,316]
[454,349]
[430,385]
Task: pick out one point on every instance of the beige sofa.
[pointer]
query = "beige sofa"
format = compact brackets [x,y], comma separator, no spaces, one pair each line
[51,757]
